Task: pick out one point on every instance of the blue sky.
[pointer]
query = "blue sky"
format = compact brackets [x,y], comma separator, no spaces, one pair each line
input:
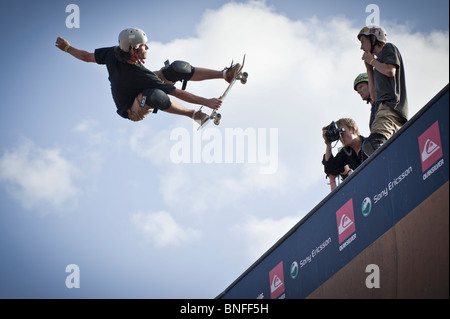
[80,185]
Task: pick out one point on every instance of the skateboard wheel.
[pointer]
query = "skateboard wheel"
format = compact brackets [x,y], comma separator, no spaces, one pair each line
[218,116]
[217,121]
[244,78]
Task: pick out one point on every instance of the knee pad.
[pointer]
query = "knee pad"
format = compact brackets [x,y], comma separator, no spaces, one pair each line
[372,143]
[156,99]
[178,71]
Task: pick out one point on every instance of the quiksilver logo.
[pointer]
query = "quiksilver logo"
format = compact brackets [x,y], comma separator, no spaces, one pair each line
[345,221]
[429,148]
[276,283]
[276,277]
[344,224]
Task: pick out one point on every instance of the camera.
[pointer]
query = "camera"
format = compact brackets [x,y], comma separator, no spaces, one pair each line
[333,133]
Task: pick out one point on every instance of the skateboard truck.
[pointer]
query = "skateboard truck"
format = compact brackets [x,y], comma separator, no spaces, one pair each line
[243,77]
[216,117]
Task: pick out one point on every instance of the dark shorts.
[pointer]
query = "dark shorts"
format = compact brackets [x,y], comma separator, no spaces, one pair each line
[156,99]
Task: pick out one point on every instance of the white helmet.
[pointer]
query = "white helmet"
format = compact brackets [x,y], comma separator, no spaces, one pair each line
[131,38]
[377,31]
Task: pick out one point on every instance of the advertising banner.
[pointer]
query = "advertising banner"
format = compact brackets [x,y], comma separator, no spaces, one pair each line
[386,188]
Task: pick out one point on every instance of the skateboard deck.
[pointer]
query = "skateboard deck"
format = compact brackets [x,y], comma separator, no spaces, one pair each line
[241,76]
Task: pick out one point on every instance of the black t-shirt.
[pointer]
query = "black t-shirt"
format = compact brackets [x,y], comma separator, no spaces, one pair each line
[391,91]
[128,80]
[346,156]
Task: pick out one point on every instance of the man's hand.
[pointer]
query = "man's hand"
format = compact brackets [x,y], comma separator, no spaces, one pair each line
[367,57]
[137,113]
[387,69]
[82,55]
[61,43]
[214,103]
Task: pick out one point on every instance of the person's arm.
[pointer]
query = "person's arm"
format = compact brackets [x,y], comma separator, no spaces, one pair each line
[387,69]
[332,182]
[333,165]
[82,55]
[328,153]
[369,69]
[326,158]
[213,103]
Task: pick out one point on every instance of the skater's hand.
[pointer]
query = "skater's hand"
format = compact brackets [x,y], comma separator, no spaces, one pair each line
[61,43]
[214,103]
[137,113]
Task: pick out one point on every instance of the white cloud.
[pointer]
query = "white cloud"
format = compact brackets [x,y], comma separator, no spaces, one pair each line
[162,230]
[426,60]
[90,128]
[301,75]
[260,234]
[300,72]
[199,185]
[150,144]
[36,175]
[86,125]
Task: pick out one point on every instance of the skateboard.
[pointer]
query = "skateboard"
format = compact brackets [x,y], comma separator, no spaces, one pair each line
[241,76]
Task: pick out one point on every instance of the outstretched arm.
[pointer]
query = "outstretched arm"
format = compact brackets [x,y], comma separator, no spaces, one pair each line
[213,103]
[82,55]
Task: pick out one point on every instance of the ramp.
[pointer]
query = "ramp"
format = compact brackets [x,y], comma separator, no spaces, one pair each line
[383,233]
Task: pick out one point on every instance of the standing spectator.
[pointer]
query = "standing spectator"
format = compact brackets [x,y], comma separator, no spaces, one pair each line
[361,86]
[387,86]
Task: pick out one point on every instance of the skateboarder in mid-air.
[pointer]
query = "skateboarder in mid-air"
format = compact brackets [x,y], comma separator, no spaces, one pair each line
[138,91]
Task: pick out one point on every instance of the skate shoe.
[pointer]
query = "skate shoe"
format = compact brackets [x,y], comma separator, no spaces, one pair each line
[200,118]
[231,72]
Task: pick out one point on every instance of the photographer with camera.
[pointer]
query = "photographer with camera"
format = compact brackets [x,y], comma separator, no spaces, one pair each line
[351,154]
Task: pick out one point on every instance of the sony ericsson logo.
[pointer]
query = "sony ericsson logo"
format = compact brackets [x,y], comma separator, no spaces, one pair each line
[366,206]
[294,270]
